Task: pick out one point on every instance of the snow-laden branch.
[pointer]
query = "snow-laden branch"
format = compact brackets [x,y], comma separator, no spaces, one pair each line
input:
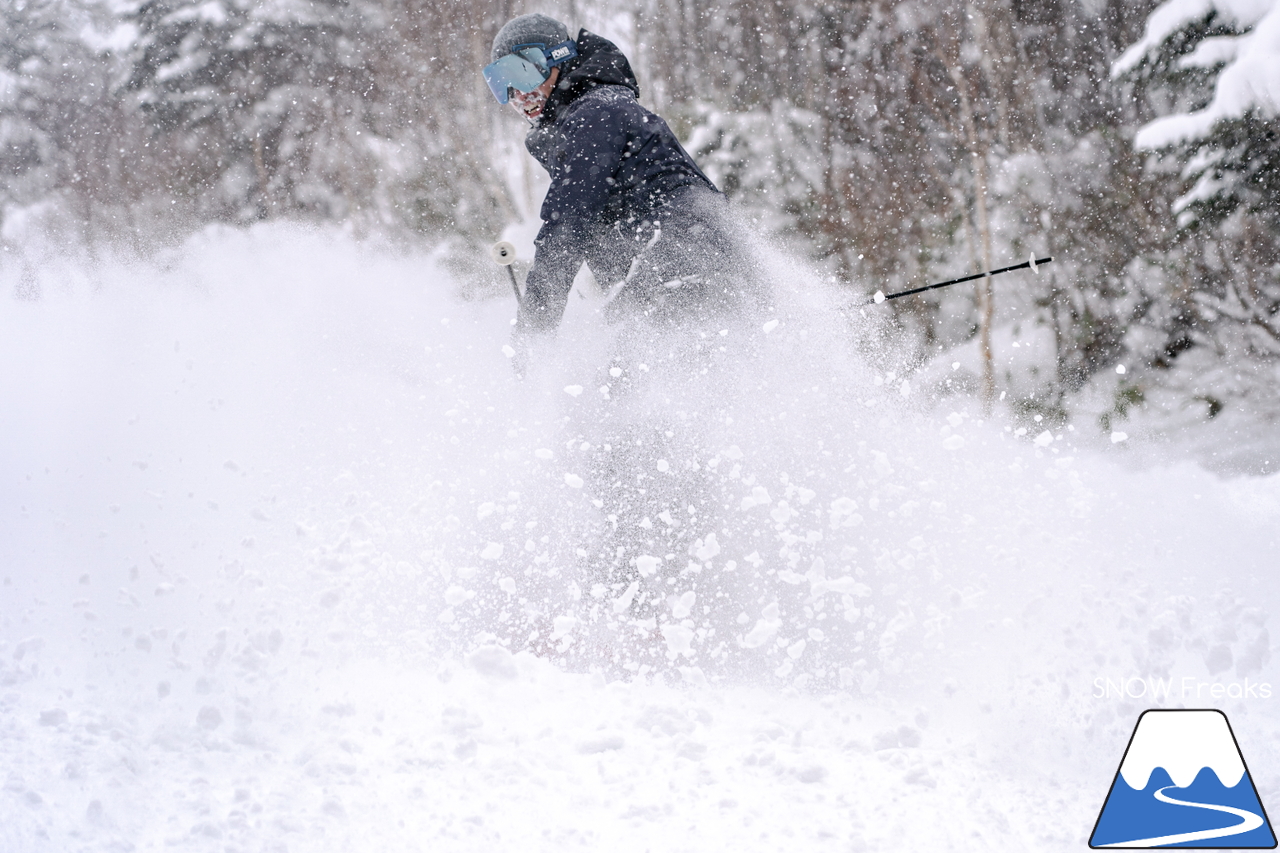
[1249,82]
[1176,14]
[1238,305]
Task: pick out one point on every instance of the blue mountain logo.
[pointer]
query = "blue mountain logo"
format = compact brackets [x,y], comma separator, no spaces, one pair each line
[1183,783]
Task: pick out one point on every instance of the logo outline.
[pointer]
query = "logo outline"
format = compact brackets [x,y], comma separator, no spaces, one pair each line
[1117,777]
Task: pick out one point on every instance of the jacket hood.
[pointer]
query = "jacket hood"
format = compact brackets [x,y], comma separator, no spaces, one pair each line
[599,63]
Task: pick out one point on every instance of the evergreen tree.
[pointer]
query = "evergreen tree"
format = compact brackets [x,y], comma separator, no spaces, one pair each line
[67,162]
[1217,62]
[265,101]
[908,142]
[38,51]
[1214,66]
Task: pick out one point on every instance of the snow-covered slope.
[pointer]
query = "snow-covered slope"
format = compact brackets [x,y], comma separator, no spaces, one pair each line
[290,561]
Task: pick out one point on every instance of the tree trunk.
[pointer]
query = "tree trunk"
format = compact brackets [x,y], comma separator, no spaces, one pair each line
[986,306]
[986,302]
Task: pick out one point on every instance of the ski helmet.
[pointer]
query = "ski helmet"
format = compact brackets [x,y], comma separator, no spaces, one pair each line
[528,29]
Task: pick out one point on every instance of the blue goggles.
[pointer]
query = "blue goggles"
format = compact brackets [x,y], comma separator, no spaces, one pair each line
[526,68]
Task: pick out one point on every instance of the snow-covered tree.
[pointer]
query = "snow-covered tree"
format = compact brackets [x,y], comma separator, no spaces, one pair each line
[455,163]
[263,100]
[40,53]
[907,142]
[1216,65]
[64,139]
[24,146]
[1219,62]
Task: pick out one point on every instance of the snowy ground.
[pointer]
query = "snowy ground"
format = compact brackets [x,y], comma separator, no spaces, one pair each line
[291,562]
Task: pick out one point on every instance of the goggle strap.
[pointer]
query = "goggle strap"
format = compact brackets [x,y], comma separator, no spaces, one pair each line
[561,53]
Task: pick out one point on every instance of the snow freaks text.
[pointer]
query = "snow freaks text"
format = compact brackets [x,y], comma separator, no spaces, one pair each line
[1186,687]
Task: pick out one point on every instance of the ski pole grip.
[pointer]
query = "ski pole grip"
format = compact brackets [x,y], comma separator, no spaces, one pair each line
[503,253]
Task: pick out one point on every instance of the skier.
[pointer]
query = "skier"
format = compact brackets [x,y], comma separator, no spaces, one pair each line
[629,201]
[625,197]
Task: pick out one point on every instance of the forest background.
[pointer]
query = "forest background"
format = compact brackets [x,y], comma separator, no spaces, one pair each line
[888,143]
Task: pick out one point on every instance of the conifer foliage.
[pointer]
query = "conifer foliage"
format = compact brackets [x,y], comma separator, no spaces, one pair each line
[41,66]
[1216,64]
[266,101]
[1219,62]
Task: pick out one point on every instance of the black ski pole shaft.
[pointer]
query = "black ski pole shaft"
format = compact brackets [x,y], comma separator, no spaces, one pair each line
[505,254]
[514,284]
[1031,264]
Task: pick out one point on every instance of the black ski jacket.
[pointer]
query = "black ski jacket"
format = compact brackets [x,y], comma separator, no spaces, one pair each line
[614,167]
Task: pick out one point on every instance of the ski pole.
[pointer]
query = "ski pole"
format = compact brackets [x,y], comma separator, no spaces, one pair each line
[505,254]
[1034,262]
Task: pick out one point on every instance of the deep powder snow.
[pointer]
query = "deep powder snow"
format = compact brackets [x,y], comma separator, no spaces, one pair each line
[291,562]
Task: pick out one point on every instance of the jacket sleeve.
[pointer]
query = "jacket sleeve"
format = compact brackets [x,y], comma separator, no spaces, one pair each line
[559,251]
[575,211]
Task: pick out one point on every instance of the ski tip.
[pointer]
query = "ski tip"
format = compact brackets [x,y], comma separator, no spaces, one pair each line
[503,253]
[879,297]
